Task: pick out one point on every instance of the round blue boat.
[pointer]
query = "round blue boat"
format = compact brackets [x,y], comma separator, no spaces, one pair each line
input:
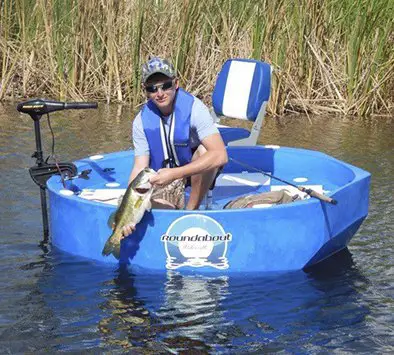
[267,238]
[212,239]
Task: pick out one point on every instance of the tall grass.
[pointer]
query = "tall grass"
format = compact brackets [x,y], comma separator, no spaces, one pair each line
[329,56]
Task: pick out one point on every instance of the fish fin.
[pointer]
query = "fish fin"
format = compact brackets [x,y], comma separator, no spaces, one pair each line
[112,247]
[149,206]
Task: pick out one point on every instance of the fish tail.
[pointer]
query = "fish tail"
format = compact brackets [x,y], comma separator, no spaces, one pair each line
[112,246]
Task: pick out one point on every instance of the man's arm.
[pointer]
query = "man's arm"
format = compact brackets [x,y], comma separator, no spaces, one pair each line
[215,157]
[141,148]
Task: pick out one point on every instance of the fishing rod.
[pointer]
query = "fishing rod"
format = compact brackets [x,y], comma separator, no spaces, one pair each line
[308,191]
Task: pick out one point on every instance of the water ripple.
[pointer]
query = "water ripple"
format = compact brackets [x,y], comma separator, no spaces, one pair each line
[51,301]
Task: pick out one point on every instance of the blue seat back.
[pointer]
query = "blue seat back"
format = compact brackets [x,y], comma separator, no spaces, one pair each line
[242,86]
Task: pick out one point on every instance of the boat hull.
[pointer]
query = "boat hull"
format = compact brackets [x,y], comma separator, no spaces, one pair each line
[282,237]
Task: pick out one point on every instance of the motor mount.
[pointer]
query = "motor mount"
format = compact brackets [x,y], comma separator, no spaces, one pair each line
[42,171]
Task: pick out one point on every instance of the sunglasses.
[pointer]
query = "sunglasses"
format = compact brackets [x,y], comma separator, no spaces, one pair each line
[155,88]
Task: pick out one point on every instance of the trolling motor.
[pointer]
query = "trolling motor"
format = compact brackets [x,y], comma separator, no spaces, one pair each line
[42,171]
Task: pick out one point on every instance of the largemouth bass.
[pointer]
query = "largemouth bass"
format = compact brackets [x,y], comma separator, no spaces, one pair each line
[135,202]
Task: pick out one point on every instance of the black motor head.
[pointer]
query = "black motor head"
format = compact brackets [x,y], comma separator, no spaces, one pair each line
[38,107]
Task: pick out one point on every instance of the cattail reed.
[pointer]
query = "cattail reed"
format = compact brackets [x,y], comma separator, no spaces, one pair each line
[329,56]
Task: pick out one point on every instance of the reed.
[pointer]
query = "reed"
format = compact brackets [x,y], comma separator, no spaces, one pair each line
[329,56]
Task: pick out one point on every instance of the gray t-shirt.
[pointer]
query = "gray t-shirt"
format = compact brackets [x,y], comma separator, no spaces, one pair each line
[201,126]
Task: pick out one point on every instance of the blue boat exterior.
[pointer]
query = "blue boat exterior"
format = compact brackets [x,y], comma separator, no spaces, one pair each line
[282,237]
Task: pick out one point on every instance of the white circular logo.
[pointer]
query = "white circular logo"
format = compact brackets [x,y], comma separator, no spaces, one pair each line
[196,240]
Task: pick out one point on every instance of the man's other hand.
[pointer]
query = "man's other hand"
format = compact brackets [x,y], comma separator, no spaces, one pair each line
[128,229]
[164,177]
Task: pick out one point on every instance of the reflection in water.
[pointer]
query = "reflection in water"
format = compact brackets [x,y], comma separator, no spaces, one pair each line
[133,310]
[51,301]
[192,309]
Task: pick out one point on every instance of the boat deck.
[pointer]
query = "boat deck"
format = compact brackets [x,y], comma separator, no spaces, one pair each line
[108,176]
[228,187]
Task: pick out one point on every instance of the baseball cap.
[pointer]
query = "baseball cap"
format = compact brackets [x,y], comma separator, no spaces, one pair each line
[157,65]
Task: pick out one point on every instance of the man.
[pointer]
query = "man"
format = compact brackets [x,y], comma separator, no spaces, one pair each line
[175,135]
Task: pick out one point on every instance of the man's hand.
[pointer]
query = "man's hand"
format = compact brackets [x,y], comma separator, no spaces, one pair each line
[128,229]
[164,177]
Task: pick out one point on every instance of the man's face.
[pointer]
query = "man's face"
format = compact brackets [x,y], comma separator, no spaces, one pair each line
[165,89]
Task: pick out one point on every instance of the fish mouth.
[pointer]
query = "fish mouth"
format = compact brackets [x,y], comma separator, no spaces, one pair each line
[142,190]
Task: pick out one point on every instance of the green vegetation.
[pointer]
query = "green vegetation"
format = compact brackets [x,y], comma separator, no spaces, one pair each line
[329,56]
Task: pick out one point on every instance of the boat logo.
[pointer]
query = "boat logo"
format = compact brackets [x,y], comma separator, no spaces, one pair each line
[196,240]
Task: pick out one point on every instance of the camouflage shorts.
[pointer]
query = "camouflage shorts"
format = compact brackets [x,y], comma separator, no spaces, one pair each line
[173,193]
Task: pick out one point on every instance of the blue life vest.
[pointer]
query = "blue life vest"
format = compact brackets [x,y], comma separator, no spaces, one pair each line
[172,148]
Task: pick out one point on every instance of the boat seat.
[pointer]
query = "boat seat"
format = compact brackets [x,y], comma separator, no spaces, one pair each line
[230,134]
[241,91]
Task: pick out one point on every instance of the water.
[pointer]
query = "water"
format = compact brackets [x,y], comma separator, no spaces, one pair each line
[51,301]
